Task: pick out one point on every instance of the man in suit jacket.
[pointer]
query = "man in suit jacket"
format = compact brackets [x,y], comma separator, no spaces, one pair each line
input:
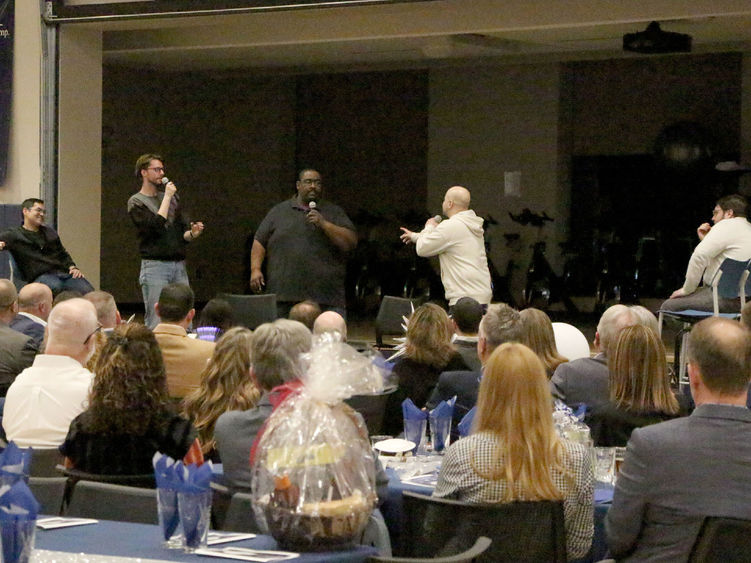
[184,357]
[499,325]
[17,350]
[34,305]
[586,380]
[679,471]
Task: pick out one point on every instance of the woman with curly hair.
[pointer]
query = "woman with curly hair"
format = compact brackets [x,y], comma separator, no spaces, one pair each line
[639,388]
[514,452]
[428,352]
[226,385]
[538,335]
[130,415]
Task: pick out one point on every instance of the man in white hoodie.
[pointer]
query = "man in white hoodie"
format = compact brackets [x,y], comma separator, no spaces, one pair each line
[458,242]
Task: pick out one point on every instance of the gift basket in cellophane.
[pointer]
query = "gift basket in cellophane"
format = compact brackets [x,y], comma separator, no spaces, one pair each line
[314,470]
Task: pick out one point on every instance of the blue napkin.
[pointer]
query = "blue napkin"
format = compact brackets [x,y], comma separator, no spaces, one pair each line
[167,483]
[465,425]
[195,501]
[194,479]
[18,514]
[14,463]
[415,421]
[440,423]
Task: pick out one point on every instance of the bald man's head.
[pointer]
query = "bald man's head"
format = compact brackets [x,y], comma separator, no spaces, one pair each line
[70,328]
[330,321]
[36,299]
[8,299]
[457,199]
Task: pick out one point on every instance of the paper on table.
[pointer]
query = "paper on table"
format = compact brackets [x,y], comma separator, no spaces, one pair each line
[60,522]
[215,538]
[429,480]
[247,554]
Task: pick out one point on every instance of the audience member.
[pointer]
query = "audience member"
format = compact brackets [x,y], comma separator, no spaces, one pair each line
[305,312]
[427,353]
[275,352]
[677,472]
[17,350]
[514,452]
[331,321]
[465,317]
[106,309]
[746,315]
[130,416]
[184,357]
[501,324]
[65,295]
[645,317]
[217,313]
[225,385]
[639,388]
[539,336]
[47,396]
[34,306]
[586,380]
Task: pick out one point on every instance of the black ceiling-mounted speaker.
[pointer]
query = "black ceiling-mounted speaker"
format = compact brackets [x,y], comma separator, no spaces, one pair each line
[653,41]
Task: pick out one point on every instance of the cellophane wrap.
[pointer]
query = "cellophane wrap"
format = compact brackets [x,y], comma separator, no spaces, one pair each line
[314,472]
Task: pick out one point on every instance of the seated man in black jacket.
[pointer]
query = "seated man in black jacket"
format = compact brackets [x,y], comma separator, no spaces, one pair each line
[39,253]
[500,324]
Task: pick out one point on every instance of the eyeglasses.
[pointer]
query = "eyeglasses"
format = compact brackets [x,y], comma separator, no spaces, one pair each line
[156,169]
[97,329]
[39,210]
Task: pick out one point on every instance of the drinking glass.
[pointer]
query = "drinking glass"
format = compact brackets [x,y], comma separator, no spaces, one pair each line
[195,515]
[169,518]
[605,465]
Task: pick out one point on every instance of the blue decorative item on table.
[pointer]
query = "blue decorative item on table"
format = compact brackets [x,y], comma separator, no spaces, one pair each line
[465,424]
[440,424]
[18,515]
[415,423]
[167,484]
[194,504]
[14,464]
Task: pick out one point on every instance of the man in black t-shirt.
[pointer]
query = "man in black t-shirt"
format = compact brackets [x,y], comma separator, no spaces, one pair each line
[163,232]
[305,246]
[39,253]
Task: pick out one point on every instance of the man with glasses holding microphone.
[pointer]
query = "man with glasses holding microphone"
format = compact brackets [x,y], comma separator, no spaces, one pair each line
[163,232]
[39,253]
[305,241]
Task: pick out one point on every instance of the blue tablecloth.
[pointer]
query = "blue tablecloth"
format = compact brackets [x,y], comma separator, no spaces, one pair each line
[393,514]
[144,540]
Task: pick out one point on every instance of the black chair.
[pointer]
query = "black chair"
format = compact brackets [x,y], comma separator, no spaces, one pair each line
[472,554]
[372,408]
[251,310]
[145,480]
[722,540]
[105,501]
[240,516]
[49,492]
[520,531]
[44,462]
[391,316]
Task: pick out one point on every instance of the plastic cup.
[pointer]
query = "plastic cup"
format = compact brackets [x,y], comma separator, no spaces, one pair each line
[195,515]
[169,518]
[440,432]
[604,465]
[414,431]
[17,539]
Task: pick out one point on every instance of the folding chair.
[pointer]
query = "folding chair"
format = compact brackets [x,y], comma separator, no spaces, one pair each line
[105,501]
[391,315]
[251,311]
[722,539]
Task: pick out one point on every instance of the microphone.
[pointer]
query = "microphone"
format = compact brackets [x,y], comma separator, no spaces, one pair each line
[166,181]
[312,205]
[437,218]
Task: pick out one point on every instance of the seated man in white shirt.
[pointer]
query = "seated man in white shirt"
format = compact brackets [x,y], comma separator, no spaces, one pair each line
[730,237]
[48,395]
[34,306]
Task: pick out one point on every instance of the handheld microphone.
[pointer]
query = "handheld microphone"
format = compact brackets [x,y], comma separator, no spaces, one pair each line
[437,218]
[311,205]
[166,181]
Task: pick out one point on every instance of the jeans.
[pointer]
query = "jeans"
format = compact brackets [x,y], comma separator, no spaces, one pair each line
[61,281]
[155,274]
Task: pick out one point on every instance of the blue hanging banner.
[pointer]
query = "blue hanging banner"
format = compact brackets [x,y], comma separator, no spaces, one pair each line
[7,12]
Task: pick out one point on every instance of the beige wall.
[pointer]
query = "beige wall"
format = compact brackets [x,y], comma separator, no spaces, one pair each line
[80,153]
[24,170]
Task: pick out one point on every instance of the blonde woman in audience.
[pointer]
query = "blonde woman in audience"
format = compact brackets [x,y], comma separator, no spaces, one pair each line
[639,388]
[226,385]
[514,452]
[428,352]
[537,333]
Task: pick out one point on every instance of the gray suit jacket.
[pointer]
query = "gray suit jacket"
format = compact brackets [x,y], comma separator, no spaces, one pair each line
[674,474]
[17,352]
[582,381]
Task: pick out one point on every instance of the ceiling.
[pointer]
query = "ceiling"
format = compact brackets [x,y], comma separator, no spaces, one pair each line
[417,34]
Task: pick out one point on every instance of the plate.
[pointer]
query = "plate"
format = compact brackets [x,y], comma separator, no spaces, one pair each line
[394,446]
